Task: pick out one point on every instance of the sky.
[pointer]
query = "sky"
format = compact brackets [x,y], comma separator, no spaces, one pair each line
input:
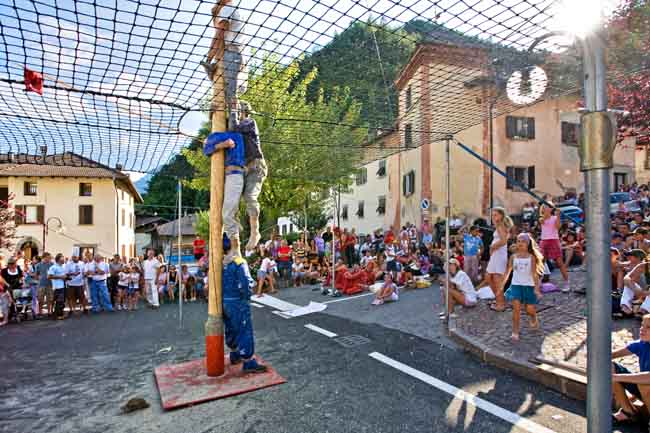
[152,49]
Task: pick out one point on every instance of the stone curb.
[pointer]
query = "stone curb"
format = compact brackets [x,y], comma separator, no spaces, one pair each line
[568,383]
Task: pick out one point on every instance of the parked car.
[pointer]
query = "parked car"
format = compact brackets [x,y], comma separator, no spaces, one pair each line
[616,198]
[571,213]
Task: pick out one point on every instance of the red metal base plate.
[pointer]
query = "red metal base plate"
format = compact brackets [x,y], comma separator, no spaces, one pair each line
[187,384]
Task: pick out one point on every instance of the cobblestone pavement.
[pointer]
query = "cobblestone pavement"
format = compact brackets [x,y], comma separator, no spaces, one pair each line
[563,334]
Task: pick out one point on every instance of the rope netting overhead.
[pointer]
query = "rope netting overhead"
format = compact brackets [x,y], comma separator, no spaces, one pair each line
[121,77]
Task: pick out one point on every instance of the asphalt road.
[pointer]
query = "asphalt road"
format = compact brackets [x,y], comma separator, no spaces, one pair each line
[73,375]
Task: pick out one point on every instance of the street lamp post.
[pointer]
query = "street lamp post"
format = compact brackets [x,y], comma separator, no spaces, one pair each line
[598,137]
[46,227]
[596,152]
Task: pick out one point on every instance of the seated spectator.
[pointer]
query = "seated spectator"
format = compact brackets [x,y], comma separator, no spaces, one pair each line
[172,282]
[637,384]
[162,284]
[353,281]
[199,286]
[573,250]
[372,271]
[365,258]
[387,293]
[410,270]
[634,283]
[617,241]
[461,289]
[298,272]
[437,264]
[312,273]
[424,263]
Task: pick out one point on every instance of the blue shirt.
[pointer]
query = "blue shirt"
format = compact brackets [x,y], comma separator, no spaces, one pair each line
[642,350]
[234,156]
[471,245]
[57,270]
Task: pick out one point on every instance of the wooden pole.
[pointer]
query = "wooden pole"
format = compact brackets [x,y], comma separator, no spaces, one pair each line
[214,335]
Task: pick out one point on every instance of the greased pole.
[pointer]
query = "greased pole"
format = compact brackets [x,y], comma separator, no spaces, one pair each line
[214,336]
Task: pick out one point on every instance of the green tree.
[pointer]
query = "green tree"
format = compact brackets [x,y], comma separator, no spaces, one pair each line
[366,58]
[309,144]
[202,224]
[161,198]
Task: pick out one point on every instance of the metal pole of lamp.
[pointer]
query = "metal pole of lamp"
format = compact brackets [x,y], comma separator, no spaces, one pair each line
[598,138]
[447,221]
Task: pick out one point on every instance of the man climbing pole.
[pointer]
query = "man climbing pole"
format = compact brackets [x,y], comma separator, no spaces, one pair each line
[227,45]
[256,171]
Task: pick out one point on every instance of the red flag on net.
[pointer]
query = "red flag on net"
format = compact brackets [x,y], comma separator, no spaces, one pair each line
[33,81]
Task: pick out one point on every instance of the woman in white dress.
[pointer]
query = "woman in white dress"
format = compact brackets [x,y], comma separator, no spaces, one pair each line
[498,263]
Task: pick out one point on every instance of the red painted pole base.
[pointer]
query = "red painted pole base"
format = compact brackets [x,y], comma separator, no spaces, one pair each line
[214,356]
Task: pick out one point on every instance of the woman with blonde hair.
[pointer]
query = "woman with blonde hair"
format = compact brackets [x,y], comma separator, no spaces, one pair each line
[498,263]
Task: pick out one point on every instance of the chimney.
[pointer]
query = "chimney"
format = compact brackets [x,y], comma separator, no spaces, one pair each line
[118,167]
[43,152]
[11,156]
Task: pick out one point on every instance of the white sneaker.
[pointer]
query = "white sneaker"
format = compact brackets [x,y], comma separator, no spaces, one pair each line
[566,288]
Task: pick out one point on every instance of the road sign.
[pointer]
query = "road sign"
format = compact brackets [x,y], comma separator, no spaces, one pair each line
[425,204]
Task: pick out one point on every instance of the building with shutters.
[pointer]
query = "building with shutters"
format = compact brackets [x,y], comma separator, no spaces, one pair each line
[537,145]
[363,206]
[66,203]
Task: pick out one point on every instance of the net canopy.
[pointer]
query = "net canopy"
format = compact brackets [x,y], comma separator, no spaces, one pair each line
[121,78]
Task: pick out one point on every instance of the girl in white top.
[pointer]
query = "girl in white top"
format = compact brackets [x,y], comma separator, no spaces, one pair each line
[265,274]
[527,264]
[134,288]
[461,289]
[122,288]
[498,257]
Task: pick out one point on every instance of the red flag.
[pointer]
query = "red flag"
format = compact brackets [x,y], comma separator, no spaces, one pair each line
[33,81]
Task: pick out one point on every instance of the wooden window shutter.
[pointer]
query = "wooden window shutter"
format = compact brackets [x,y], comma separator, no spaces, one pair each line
[404,185]
[19,214]
[511,126]
[531,127]
[510,174]
[40,214]
[531,177]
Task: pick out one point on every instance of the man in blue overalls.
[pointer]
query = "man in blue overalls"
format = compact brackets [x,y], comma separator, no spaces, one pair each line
[237,284]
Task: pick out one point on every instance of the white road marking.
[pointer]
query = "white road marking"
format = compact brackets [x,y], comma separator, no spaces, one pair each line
[320,330]
[276,303]
[506,415]
[281,314]
[347,298]
[257,305]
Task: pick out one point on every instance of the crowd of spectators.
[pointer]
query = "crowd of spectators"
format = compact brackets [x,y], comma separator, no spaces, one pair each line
[60,287]
[480,252]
